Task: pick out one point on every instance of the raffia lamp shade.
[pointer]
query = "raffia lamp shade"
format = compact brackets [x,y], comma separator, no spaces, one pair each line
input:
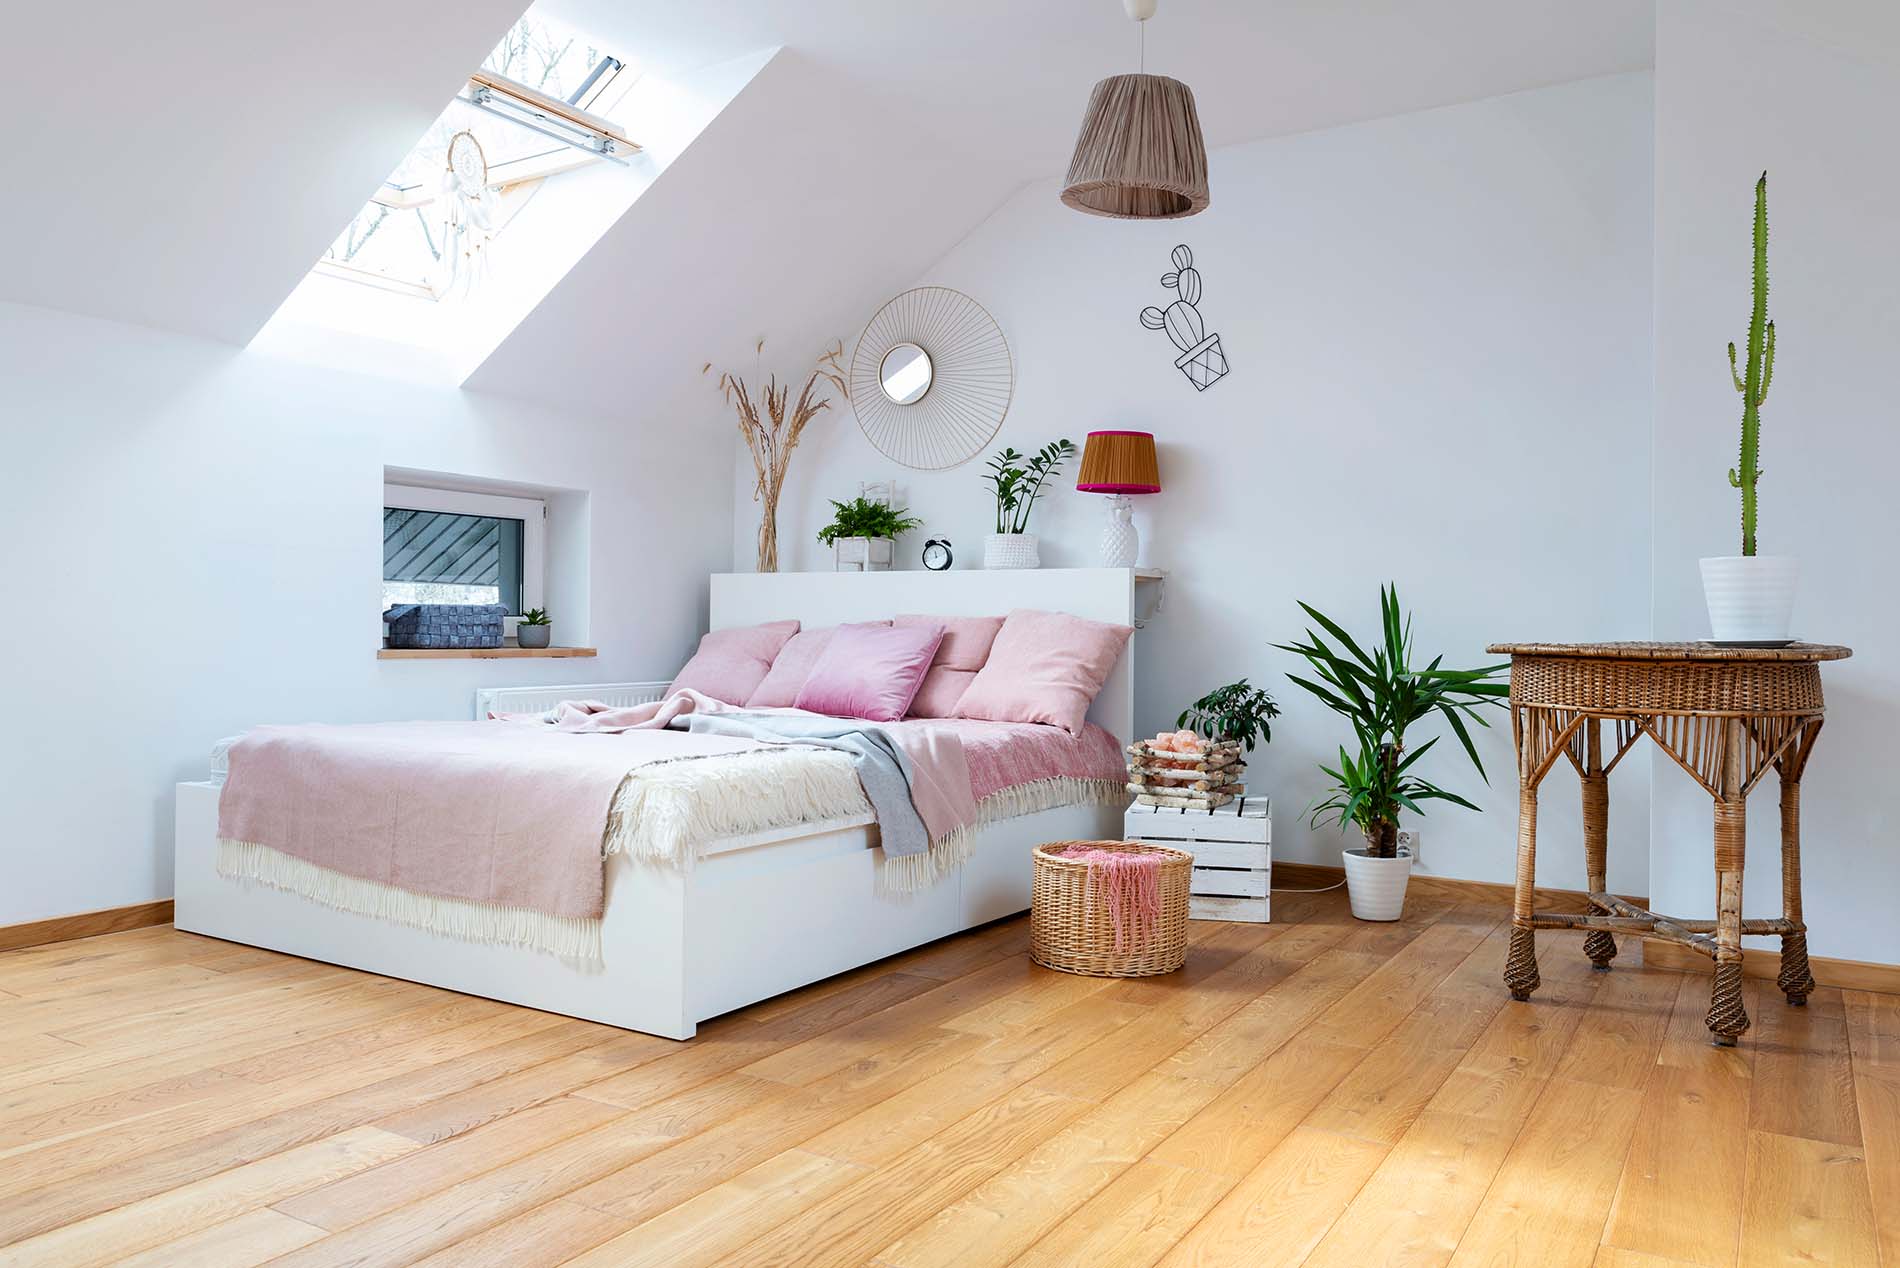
[1119,462]
[1140,155]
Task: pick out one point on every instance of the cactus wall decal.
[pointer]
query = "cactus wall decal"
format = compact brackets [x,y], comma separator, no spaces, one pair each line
[1753,383]
[1201,359]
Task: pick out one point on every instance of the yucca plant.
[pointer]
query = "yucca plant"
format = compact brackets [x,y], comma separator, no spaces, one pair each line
[1382,696]
[1753,381]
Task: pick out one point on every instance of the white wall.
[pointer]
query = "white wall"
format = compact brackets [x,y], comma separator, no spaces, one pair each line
[1439,328]
[193,545]
[1801,90]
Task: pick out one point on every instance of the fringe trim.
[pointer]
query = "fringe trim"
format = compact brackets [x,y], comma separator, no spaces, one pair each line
[667,811]
[910,873]
[571,937]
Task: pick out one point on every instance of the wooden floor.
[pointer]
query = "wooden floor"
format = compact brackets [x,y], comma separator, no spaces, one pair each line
[1316,1091]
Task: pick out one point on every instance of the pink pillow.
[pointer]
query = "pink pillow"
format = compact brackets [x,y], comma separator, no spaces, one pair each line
[1044,667]
[965,646]
[730,664]
[870,671]
[793,666]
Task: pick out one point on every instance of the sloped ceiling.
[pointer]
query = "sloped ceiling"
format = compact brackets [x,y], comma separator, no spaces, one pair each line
[885,132]
[183,164]
[187,162]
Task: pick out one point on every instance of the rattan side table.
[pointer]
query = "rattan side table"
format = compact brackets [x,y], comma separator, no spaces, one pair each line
[1726,715]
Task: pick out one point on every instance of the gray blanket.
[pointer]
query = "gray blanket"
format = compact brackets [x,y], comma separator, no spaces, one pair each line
[882,767]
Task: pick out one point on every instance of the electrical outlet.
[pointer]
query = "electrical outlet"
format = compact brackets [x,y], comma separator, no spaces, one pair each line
[1409,840]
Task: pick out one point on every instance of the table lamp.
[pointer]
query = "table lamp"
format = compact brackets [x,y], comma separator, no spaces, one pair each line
[1119,463]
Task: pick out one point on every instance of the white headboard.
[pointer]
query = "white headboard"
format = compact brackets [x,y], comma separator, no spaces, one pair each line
[827,598]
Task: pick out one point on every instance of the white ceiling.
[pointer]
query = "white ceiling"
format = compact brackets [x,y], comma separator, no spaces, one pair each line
[182,164]
[190,160]
[1011,76]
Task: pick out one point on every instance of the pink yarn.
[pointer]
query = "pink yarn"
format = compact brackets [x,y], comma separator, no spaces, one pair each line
[1130,883]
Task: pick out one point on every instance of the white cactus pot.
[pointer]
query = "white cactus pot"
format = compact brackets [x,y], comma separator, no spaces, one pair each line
[1750,597]
[1011,550]
[1376,886]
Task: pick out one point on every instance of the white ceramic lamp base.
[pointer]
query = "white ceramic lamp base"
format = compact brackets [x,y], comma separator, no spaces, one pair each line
[1120,542]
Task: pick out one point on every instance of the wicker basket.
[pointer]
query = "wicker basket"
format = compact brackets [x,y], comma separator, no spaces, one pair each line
[1071,931]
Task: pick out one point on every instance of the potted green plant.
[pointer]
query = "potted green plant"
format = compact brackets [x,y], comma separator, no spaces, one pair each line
[1751,596]
[1383,696]
[534,628]
[863,534]
[1236,712]
[1016,482]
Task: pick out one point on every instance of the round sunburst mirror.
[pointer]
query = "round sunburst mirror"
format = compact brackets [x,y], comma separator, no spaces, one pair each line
[931,378]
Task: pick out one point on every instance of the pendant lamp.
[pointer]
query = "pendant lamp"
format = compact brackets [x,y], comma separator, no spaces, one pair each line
[1139,155]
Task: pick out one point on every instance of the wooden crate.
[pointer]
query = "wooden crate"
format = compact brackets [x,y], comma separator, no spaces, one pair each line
[1233,855]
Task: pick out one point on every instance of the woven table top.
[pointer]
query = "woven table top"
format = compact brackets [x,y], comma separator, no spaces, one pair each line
[1674,651]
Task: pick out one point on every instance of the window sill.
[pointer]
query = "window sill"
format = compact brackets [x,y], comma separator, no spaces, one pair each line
[479,653]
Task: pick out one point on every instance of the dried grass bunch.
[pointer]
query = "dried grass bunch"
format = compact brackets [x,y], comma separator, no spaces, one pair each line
[771,436]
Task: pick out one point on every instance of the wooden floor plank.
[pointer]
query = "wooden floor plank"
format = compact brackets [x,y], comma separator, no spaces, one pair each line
[179,1212]
[1680,1194]
[1873,1027]
[255,1237]
[1319,1089]
[1804,1077]
[1806,1202]
[1287,1203]
[707,1229]
[1134,1221]
[1550,1197]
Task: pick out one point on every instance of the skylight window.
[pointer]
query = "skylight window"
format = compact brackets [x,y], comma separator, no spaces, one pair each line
[536,110]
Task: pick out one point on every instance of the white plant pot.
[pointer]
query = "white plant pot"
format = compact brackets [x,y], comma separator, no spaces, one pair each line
[863,554]
[1750,597]
[1376,886]
[1011,550]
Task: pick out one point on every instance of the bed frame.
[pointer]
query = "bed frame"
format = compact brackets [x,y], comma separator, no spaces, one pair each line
[758,915]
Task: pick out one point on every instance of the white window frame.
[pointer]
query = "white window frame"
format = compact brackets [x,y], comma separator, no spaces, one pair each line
[532,512]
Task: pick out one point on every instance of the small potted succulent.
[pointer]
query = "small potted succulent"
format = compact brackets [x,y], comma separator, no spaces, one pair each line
[1016,481]
[534,629]
[1237,712]
[1382,696]
[1751,596]
[863,534]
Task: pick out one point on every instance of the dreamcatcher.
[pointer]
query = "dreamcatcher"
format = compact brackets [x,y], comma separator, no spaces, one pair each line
[472,212]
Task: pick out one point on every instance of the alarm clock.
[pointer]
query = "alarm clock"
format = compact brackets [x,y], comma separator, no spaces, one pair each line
[937,554]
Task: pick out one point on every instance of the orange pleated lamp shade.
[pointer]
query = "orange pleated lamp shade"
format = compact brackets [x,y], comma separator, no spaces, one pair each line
[1119,462]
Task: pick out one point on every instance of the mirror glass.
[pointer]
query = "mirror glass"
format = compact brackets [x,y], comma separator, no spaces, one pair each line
[905,373]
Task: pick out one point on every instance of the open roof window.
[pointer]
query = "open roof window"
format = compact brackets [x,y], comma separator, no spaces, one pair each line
[537,109]
[504,195]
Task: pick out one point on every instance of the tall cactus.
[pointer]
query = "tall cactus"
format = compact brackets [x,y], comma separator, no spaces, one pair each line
[1182,320]
[1753,383]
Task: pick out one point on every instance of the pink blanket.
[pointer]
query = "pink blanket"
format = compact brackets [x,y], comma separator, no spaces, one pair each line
[940,786]
[496,832]
[511,815]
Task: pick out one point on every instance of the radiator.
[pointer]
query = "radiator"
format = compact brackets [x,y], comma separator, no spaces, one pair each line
[539,699]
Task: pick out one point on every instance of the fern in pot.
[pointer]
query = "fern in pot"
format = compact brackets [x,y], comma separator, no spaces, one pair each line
[1016,481]
[863,534]
[1382,696]
[1751,596]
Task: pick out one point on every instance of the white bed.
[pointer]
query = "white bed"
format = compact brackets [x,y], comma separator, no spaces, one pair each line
[758,915]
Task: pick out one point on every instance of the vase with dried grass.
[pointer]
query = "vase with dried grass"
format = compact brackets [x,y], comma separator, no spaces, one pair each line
[772,431]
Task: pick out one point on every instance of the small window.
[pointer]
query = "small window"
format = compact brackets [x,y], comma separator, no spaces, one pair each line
[445,546]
